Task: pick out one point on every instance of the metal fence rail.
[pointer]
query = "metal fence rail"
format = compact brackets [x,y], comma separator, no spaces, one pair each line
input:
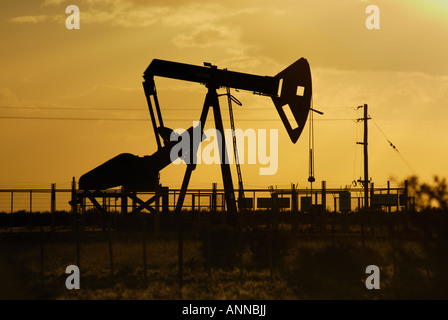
[302,200]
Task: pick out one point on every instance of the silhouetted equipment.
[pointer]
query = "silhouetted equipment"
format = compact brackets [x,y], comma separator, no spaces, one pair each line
[295,93]
[130,171]
[125,170]
[241,197]
[290,90]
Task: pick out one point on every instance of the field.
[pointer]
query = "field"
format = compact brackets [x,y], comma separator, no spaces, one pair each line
[262,257]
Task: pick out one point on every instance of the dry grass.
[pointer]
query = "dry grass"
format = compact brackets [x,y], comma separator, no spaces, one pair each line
[308,265]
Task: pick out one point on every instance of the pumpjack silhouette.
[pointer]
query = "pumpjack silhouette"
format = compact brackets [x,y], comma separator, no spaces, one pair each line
[290,89]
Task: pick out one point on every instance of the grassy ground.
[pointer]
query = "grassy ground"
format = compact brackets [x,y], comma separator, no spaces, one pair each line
[221,263]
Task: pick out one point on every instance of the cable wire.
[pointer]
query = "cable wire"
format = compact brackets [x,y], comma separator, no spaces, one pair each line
[129,119]
[396,149]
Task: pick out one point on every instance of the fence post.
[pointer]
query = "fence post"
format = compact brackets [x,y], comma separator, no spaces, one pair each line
[270,251]
[31,207]
[156,215]
[324,195]
[78,245]
[274,210]
[75,222]
[12,209]
[406,186]
[111,255]
[53,205]
[180,252]
[41,252]
[124,202]
[324,207]
[105,215]
[295,210]
[145,280]
[165,200]
[388,192]
[209,246]
[213,197]
[371,211]
[74,204]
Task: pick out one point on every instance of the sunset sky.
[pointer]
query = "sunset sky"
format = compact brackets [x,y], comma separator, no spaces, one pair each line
[50,73]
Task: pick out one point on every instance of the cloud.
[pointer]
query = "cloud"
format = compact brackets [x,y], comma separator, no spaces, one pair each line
[122,16]
[129,14]
[29,19]
[52,2]
[8,98]
[206,36]
[212,26]
[13,104]
[140,14]
[406,97]
[117,13]
[193,15]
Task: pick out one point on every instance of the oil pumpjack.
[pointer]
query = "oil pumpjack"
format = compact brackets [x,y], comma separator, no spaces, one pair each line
[290,89]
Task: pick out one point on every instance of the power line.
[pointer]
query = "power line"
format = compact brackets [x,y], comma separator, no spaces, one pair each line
[114,109]
[395,148]
[133,109]
[129,119]
[66,118]
[73,108]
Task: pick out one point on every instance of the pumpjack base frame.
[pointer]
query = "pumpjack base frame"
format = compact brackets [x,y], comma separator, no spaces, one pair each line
[138,204]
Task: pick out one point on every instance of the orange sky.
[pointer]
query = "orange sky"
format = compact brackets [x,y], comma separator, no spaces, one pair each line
[47,71]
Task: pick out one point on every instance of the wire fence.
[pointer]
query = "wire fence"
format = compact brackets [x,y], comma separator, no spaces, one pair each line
[167,249]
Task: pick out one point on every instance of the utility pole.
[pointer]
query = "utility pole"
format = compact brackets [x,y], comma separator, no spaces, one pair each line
[366,158]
